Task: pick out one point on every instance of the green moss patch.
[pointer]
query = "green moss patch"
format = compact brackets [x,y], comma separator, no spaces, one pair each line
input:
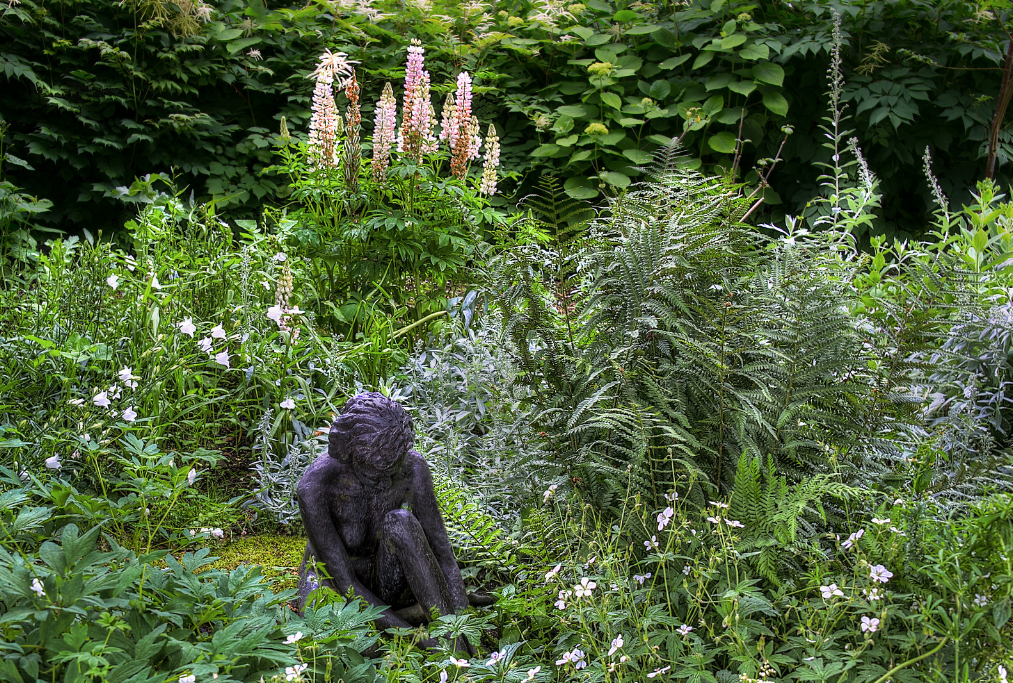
[278,556]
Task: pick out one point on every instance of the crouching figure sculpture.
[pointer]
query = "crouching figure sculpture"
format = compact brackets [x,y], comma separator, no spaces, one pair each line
[372,520]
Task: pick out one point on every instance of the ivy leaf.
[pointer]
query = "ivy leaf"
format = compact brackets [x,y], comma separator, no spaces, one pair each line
[612,100]
[673,62]
[615,178]
[723,142]
[767,72]
[775,102]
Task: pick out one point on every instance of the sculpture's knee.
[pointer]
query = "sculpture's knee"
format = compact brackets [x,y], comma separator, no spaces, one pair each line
[401,525]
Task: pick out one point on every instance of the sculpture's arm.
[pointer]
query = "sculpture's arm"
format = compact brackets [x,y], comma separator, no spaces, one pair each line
[427,510]
[327,542]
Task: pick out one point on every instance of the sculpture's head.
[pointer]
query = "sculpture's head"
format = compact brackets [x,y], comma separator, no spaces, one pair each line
[373,432]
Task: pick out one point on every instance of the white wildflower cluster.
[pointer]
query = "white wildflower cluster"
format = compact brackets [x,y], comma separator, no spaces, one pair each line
[212,532]
[282,313]
[206,344]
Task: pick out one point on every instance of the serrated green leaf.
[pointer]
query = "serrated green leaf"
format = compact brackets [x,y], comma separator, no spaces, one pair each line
[775,102]
[768,72]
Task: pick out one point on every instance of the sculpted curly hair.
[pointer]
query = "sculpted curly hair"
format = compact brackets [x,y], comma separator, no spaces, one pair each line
[371,424]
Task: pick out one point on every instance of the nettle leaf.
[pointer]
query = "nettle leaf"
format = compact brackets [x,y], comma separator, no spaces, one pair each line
[767,72]
[775,102]
[673,62]
[723,142]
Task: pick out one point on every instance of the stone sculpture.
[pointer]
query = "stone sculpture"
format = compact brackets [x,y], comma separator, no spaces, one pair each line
[372,520]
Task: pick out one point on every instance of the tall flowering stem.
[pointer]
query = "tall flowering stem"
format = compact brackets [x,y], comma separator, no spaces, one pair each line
[488,186]
[384,123]
[323,122]
[418,116]
[462,148]
[352,152]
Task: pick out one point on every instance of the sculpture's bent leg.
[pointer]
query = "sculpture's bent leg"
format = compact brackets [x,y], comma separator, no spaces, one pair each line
[404,556]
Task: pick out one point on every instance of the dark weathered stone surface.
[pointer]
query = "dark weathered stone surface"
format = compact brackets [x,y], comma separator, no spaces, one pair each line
[372,521]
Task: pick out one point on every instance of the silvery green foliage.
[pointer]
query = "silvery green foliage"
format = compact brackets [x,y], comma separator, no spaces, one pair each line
[472,421]
[971,406]
[279,475]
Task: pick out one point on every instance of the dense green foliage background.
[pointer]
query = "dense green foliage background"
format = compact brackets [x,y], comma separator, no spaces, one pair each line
[99,93]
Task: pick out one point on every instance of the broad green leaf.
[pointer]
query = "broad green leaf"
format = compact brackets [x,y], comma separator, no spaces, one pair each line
[615,178]
[624,15]
[579,156]
[728,28]
[703,59]
[641,30]
[612,100]
[659,139]
[728,115]
[660,89]
[734,40]
[545,150]
[563,125]
[673,62]
[754,52]
[742,87]
[237,45]
[775,102]
[878,115]
[713,105]
[606,54]
[719,81]
[613,137]
[573,111]
[567,141]
[599,5]
[229,34]
[637,156]
[581,193]
[723,142]
[768,72]
[582,31]
[770,196]
[628,123]
[630,62]
[597,39]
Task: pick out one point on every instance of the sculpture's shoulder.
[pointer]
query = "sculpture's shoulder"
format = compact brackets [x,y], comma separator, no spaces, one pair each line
[417,465]
[320,473]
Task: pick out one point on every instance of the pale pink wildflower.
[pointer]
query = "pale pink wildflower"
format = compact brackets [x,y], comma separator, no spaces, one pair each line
[417,115]
[384,123]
